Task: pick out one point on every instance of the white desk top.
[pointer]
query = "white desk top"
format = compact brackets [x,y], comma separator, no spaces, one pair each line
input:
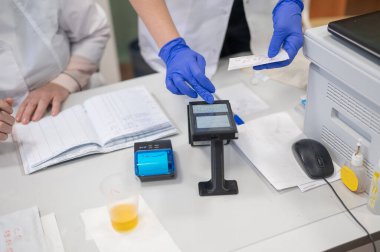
[258,218]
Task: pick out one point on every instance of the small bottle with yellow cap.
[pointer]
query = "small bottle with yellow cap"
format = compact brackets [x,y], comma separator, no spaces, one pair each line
[354,175]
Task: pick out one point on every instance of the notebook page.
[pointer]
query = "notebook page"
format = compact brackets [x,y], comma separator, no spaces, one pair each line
[112,146]
[145,137]
[43,140]
[131,112]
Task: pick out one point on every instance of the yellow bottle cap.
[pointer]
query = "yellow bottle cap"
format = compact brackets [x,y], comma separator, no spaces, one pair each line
[349,178]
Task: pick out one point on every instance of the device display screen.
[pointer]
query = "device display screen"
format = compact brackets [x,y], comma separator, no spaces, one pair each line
[217,121]
[212,108]
[211,117]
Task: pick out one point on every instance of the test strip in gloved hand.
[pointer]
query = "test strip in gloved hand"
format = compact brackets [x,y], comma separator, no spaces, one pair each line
[255,60]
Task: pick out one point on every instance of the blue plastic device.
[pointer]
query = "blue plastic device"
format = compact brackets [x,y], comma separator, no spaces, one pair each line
[154,160]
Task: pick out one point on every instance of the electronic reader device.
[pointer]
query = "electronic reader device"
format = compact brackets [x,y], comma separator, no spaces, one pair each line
[211,121]
[213,124]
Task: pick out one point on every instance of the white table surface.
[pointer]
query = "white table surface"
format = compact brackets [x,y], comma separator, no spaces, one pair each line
[258,218]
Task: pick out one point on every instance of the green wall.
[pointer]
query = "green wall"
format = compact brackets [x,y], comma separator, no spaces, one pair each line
[125,26]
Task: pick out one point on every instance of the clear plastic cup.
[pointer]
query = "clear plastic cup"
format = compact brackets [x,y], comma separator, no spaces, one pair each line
[122,194]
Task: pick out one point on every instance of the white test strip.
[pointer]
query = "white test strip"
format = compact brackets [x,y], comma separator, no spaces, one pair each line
[255,60]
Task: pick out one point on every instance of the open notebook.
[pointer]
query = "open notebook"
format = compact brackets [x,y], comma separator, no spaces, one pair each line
[101,124]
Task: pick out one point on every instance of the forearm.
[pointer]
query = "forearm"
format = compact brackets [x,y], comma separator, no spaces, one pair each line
[157,19]
[77,74]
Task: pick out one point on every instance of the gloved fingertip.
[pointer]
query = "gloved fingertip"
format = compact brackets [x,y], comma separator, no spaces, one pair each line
[277,64]
[209,98]
[290,51]
[275,45]
[212,89]
[272,53]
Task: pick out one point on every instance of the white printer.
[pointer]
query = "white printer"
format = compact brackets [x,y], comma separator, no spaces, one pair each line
[343,97]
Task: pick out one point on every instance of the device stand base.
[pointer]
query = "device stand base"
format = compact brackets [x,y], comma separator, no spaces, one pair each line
[209,189]
[217,185]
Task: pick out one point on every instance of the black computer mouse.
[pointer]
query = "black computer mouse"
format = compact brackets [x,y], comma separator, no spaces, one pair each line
[314,158]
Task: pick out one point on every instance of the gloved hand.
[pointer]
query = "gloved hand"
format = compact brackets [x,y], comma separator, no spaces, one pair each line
[185,71]
[287,24]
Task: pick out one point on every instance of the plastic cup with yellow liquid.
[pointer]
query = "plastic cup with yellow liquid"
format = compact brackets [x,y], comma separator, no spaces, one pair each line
[122,193]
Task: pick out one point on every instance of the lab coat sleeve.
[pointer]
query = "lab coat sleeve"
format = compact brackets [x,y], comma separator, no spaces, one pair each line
[77,74]
[86,27]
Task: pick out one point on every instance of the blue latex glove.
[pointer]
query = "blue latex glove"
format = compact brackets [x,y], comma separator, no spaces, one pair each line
[185,71]
[287,24]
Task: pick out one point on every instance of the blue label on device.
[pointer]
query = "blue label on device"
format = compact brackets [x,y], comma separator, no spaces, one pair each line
[152,163]
[238,120]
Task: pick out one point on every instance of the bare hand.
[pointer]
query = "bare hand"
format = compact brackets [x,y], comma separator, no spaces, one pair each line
[6,119]
[36,103]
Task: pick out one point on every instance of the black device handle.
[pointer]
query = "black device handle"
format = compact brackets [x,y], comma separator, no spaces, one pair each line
[217,162]
[217,185]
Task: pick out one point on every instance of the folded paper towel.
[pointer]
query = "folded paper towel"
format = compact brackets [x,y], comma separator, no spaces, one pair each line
[149,235]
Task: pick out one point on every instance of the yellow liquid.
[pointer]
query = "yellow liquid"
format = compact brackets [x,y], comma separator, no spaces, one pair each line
[124,217]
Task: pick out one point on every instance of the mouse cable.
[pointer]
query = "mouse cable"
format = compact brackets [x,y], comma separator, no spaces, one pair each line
[348,210]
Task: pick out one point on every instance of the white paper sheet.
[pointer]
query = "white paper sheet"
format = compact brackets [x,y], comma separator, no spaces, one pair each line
[52,234]
[255,60]
[244,101]
[267,143]
[316,183]
[22,231]
[148,236]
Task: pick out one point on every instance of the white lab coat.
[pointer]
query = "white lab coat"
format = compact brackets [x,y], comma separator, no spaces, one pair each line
[37,39]
[203,25]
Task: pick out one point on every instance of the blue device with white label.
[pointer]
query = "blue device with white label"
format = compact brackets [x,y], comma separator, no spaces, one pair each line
[154,160]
